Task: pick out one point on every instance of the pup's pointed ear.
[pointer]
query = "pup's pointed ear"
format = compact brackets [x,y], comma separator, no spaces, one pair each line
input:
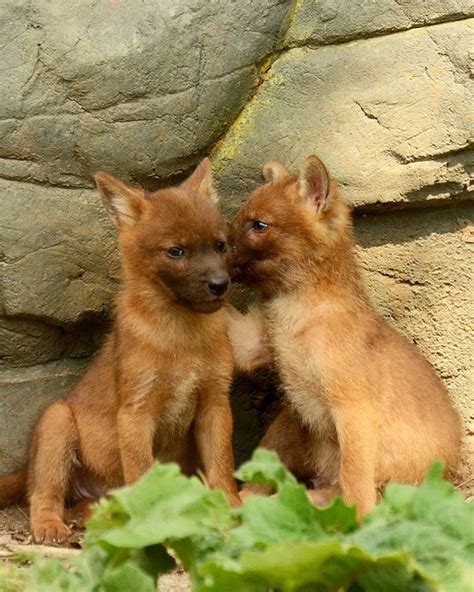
[125,204]
[274,171]
[202,181]
[314,182]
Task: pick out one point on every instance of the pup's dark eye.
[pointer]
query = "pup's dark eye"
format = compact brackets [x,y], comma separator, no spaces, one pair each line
[259,225]
[222,246]
[175,252]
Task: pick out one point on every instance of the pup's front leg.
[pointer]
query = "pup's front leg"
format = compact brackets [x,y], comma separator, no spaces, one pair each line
[357,433]
[55,443]
[213,429]
[136,429]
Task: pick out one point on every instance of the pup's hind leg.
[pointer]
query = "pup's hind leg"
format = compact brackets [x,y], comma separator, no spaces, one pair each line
[356,431]
[54,445]
[288,438]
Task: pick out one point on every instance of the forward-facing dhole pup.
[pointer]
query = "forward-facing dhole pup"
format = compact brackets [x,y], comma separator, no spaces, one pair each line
[159,386]
[364,407]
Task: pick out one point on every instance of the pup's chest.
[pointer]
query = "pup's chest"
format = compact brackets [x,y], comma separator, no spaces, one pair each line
[301,367]
[171,395]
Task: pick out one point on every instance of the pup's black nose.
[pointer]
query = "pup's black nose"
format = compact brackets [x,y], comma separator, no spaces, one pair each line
[218,285]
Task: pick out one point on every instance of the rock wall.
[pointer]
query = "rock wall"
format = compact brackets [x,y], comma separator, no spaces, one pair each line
[379,90]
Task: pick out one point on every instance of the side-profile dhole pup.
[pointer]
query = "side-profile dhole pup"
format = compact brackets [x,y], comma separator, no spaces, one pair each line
[159,386]
[364,407]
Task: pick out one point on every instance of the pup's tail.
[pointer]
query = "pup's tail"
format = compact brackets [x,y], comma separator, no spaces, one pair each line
[12,489]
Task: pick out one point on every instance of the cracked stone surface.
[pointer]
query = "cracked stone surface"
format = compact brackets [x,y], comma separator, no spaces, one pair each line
[381,91]
[338,21]
[25,394]
[136,89]
[390,116]
[58,259]
[418,268]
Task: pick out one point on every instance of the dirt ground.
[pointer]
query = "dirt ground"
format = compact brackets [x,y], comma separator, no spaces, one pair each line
[15,534]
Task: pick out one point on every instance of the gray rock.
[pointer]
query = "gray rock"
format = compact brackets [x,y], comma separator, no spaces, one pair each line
[58,257]
[31,342]
[28,342]
[390,116]
[418,267]
[25,394]
[320,22]
[137,89]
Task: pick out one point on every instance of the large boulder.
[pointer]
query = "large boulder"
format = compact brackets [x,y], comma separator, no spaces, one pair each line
[59,257]
[418,268]
[136,88]
[323,22]
[390,116]
[24,395]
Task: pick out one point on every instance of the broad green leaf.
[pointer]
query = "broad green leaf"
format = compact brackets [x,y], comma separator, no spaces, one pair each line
[287,516]
[432,523]
[265,468]
[90,565]
[107,514]
[329,566]
[50,575]
[11,578]
[418,539]
[128,577]
[336,517]
[222,574]
[162,505]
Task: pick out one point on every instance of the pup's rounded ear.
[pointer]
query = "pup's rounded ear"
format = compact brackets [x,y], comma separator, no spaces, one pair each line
[124,204]
[201,180]
[274,171]
[314,182]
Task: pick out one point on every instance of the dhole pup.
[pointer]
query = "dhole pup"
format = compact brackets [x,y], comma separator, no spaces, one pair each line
[364,407]
[159,386]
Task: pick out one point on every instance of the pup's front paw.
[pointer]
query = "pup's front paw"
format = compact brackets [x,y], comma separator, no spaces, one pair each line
[50,531]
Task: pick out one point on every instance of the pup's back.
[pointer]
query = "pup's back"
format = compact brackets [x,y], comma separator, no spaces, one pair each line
[418,411]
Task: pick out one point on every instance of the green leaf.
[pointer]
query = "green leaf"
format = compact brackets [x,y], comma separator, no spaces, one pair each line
[11,578]
[225,574]
[128,577]
[432,523]
[289,515]
[337,517]
[265,468]
[418,539]
[107,514]
[50,575]
[329,565]
[162,505]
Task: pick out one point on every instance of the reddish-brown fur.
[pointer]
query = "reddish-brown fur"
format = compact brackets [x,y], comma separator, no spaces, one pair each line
[12,488]
[159,386]
[364,407]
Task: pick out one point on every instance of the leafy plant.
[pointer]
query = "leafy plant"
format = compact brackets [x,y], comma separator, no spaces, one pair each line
[417,539]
